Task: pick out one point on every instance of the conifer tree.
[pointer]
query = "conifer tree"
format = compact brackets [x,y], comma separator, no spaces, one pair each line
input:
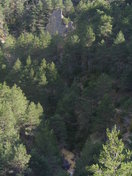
[57,4]
[68,5]
[119,38]
[46,158]
[18,118]
[114,159]
[48,4]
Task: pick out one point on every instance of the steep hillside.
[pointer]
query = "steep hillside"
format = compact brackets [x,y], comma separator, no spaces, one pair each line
[65,77]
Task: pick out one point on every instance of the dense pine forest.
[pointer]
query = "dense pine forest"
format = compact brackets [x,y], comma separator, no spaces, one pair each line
[65,88]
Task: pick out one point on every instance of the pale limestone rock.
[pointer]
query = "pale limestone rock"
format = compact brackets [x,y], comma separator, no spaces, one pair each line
[56,24]
[2,33]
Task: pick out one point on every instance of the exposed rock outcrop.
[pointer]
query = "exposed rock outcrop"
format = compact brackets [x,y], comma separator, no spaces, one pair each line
[2,33]
[56,24]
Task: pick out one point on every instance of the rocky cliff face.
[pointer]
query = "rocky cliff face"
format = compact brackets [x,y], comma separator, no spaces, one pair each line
[56,24]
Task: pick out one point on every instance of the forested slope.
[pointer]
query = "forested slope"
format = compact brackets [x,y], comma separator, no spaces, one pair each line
[64,91]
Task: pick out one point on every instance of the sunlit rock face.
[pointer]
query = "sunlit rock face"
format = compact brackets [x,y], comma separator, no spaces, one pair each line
[2,33]
[56,24]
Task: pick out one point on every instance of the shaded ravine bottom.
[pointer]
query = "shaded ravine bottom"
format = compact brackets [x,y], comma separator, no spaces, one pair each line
[69,161]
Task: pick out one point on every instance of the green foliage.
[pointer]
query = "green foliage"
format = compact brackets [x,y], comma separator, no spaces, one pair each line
[94,19]
[39,80]
[16,114]
[119,38]
[46,159]
[48,4]
[83,81]
[65,21]
[68,5]
[57,4]
[17,65]
[66,110]
[88,156]
[89,37]
[104,113]
[58,125]
[21,159]
[114,158]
